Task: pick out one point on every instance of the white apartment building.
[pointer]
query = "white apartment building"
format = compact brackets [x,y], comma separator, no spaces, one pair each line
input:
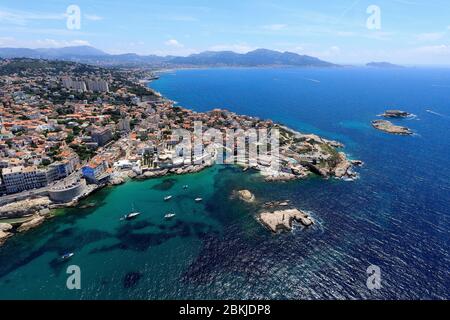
[97,85]
[74,84]
[17,179]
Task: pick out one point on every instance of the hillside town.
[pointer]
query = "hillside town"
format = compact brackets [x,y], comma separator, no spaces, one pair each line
[67,129]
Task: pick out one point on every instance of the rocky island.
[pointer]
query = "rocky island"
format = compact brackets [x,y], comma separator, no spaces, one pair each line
[389,127]
[396,114]
[283,219]
[246,196]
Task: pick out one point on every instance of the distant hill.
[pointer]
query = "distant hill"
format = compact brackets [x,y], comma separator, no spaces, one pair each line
[260,57]
[87,54]
[383,65]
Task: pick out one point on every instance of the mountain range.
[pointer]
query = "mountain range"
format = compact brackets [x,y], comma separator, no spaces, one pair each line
[383,64]
[87,54]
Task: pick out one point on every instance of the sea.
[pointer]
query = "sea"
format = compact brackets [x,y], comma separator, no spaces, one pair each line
[392,223]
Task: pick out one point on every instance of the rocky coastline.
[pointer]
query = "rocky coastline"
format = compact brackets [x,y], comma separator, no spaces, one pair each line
[305,154]
[36,211]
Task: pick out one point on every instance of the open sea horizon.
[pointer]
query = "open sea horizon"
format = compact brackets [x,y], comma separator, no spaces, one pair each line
[395,216]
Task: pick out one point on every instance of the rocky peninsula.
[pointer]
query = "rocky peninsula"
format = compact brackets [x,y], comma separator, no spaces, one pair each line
[135,138]
[389,127]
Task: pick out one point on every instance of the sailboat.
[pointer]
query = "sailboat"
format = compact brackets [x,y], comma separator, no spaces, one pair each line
[167,198]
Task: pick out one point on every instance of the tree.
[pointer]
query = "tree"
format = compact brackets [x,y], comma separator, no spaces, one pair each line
[70,138]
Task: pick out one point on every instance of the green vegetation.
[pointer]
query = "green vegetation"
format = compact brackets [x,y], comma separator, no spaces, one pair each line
[334,159]
[82,151]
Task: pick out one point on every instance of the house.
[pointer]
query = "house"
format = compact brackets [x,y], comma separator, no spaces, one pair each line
[96,172]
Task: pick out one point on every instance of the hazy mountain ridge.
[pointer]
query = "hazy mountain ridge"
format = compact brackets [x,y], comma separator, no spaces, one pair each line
[87,54]
[382,64]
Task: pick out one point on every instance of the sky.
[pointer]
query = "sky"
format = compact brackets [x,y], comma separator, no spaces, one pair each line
[414,32]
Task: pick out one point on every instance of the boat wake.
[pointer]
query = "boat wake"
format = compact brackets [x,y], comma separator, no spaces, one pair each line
[438,114]
[312,80]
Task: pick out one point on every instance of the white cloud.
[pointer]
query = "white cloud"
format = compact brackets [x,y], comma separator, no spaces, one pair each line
[93,17]
[430,36]
[173,43]
[379,35]
[177,18]
[332,53]
[239,48]
[23,17]
[51,43]
[275,27]
[442,49]
[40,43]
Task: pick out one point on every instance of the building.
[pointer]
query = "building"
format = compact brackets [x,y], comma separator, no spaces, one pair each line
[124,124]
[96,172]
[67,192]
[17,179]
[102,136]
[62,169]
[98,85]
[77,85]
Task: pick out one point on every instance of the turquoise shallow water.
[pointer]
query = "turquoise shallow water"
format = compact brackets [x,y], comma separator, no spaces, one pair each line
[395,216]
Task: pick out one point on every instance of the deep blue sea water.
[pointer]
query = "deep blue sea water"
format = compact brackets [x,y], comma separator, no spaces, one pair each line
[396,216]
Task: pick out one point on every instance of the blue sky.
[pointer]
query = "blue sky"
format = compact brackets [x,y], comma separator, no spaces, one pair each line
[411,31]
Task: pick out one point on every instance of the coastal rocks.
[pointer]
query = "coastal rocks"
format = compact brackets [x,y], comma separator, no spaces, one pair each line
[115,181]
[4,236]
[343,167]
[132,174]
[357,163]
[188,169]
[283,219]
[152,174]
[246,195]
[87,205]
[389,127]
[4,232]
[272,205]
[5,227]
[271,175]
[119,178]
[396,114]
[33,223]
[24,207]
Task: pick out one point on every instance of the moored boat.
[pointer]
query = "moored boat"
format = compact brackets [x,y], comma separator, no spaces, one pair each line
[169,216]
[67,256]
